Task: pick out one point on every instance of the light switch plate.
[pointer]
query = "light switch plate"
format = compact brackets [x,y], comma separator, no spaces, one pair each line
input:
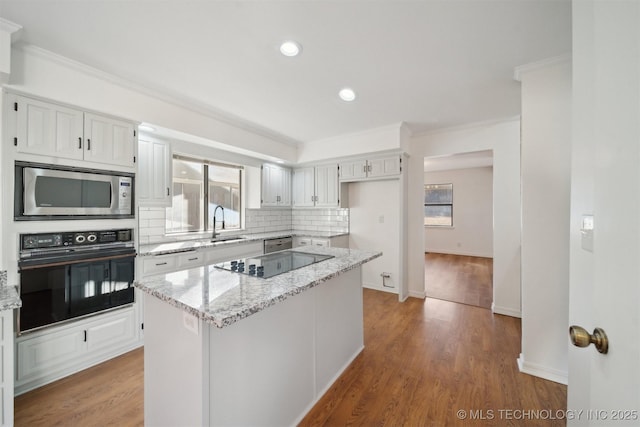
[586,233]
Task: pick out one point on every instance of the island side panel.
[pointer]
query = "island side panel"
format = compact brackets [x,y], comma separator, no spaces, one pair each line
[262,367]
[176,379]
[339,326]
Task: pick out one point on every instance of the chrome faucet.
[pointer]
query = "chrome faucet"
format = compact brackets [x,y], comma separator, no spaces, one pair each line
[213,236]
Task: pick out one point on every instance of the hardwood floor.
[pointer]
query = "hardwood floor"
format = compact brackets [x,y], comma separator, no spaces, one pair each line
[423,361]
[109,394]
[457,278]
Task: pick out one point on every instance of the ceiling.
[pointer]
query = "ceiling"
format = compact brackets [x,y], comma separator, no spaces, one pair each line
[430,64]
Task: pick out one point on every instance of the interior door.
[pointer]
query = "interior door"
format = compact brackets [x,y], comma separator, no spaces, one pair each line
[604,389]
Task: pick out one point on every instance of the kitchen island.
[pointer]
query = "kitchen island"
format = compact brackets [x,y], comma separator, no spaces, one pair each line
[224,348]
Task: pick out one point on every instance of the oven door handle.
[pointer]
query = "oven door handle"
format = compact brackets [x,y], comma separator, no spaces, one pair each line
[75,261]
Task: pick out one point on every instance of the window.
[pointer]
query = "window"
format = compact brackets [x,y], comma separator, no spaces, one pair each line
[438,205]
[199,186]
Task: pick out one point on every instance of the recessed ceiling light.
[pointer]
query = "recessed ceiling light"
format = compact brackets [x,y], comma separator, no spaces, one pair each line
[147,128]
[290,48]
[347,94]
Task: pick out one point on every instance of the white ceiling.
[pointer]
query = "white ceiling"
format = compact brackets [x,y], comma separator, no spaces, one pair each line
[431,64]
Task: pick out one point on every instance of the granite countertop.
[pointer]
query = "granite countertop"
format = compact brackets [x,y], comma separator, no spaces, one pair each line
[190,245]
[222,297]
[9,298]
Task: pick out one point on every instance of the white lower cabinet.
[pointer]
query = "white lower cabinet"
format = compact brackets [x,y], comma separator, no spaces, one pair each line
[6,368]
[330,242]
[52,353]
[226,253]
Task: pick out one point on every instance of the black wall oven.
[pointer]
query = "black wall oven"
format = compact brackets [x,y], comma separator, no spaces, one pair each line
[69,275]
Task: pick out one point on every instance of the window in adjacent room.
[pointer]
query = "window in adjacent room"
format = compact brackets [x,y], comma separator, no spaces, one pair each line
[438,205]
[198,187]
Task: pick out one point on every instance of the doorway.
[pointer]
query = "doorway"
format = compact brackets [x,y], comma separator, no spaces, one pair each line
[458,228]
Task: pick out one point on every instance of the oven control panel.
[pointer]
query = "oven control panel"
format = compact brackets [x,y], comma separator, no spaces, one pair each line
[77,238]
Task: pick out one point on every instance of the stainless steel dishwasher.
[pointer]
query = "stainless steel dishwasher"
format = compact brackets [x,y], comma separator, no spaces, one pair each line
[279,244]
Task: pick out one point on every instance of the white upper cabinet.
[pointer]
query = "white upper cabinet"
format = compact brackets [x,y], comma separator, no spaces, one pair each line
[353,170]
[108,140]
[48,129]
[387,166]
[316,186]
[276,186]
[303,187]
[377,168]
[153,186]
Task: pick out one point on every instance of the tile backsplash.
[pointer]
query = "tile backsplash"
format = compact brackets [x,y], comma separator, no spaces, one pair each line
[336,220]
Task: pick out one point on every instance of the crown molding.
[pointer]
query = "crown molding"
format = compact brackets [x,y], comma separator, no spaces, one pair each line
[161,94]
[532,66]
[468,126]
[8,26]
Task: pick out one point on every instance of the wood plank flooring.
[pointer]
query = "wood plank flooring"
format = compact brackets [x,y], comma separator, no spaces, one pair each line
[458,278]
[109,394]
[423,361]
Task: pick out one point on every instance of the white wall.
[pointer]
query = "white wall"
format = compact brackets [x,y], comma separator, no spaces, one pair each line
[375,226]
[370,141]
[546,181]
[38,72]
[472,231]
[503,138]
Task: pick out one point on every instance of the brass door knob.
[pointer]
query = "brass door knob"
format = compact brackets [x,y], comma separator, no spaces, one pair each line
[581,338]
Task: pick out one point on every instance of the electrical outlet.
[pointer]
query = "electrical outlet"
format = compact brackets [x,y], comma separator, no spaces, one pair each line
[190,323]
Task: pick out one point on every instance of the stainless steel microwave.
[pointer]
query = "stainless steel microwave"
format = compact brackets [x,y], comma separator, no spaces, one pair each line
[57,192]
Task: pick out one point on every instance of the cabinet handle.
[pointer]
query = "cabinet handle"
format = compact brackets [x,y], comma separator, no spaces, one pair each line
[158,264]
[88,144]
[192,259]
[80,143]
[85,336]
[168,191]
[369,168]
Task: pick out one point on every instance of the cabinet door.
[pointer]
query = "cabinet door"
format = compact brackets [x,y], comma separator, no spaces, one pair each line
[48,129]
[116,330]
[384,167]
[270,177]
[276,186]
[303,187]
[41,355]
[284,187]
[353,170]
[153,186]
[327,186]
[108,140]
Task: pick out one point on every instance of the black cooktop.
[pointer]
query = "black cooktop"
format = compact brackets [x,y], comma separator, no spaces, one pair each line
[272,264]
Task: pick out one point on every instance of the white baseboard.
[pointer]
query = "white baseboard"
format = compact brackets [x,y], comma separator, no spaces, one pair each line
[505,311]
[418,294]
[457,252]
[544,372]
[379,288]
